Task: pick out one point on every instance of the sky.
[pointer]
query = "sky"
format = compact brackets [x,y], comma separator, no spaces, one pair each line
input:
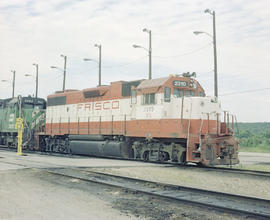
[37,31]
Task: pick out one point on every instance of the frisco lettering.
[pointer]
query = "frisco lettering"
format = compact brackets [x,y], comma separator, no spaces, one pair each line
[107,105]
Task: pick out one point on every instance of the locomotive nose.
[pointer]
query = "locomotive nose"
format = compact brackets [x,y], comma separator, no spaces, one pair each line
[219,150]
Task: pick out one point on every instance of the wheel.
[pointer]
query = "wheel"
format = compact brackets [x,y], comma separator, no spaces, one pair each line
[182,158]
[163,156]
[146,156]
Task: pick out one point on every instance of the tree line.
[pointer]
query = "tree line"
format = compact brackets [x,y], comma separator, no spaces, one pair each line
[253,135]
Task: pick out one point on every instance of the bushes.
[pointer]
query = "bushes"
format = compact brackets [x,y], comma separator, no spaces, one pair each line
[255,136]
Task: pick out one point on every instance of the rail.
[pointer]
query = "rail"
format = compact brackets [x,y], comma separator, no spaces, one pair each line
[230,203]
[184,166]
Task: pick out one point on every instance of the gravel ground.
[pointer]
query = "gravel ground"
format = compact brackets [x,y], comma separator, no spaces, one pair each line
[30,194]
[34,194]
[251,158]
[199,178]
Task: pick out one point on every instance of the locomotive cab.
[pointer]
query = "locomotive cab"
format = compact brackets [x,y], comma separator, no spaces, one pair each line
[188,119]
[209,141]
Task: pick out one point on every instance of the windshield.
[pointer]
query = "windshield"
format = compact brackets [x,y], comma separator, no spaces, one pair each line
[178,93]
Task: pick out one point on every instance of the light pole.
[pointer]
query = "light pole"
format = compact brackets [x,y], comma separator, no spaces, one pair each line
[36,65]
[87,59]
[64,71]
[55,67]
[65,66]
[214,47]
[149,51]
[99,64]
[13,82]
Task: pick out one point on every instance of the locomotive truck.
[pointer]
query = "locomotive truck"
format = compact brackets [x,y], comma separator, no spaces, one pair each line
[163,119]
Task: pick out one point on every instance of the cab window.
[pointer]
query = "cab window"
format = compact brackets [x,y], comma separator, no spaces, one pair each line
[178,93]
[39,106]
[149,98]
[167,94]
[201,94]
[189,93]
[133,96]
[28,106]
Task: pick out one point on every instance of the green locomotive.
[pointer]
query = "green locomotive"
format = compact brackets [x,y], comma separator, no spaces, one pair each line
[32,110]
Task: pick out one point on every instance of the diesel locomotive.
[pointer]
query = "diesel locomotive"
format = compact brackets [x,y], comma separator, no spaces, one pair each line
[163,119]
[32,110]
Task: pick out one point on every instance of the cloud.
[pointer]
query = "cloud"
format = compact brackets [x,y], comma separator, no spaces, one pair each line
[39,31]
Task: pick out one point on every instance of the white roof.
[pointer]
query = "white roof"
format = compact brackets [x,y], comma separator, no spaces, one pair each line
[150,83]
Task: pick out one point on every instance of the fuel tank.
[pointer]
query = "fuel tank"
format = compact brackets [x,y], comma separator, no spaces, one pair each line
[101,148]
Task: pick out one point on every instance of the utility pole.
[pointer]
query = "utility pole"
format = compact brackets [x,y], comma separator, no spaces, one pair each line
[36,65]
[215,53]
[99,64]
[13,82]
[215,49]
[149,52]
[65,66]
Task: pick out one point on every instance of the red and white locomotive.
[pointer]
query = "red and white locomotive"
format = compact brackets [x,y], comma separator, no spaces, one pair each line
[163,119]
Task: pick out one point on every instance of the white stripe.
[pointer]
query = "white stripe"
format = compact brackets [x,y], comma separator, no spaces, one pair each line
[161,110]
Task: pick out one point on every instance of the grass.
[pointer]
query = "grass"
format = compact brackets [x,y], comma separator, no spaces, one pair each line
[259,167]
[259,149]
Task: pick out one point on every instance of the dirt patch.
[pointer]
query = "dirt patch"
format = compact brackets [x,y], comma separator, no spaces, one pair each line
[153,208]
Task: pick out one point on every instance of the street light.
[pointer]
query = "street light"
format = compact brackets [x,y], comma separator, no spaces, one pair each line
[87,59]
[138,46]
[55,67]
[27,75]
[64,71]
[148,50]
[13,82]
[65,66]
[214,47]
[36,65]
[99,64]
[202,32]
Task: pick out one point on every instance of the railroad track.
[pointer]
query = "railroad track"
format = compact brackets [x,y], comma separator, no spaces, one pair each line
[235,171]
[229,203]
[235,204]
[231,170]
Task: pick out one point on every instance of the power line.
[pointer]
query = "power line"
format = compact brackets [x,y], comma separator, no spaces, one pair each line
[115,66]
[184,54]
[126,64]
[162,57]
[246,91]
